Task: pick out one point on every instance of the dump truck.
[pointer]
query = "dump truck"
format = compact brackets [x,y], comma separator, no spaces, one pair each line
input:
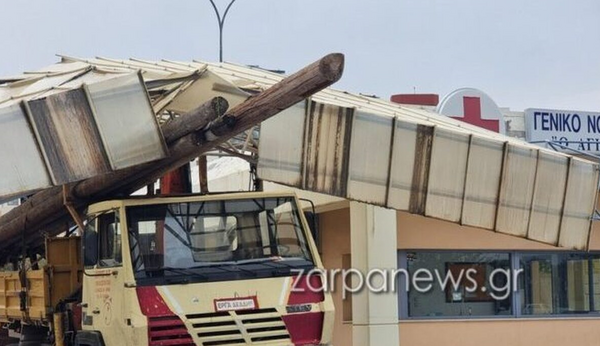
[217,269]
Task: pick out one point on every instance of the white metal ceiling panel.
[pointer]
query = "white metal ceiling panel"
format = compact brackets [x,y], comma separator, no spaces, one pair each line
[126,121]
[579,204]
[281,146]
[482,181]
[22,166]
[208,86]
[403,162]
[369,158]
[544,224]
[516,190]
[447,171]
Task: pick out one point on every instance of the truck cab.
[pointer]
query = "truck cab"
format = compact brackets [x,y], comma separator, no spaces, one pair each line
[226,269]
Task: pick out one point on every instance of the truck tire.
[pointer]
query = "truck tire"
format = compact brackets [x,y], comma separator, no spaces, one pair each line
[89,339]
[32,335]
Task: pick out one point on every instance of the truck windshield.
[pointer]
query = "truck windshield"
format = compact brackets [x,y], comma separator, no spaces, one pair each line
[217,240]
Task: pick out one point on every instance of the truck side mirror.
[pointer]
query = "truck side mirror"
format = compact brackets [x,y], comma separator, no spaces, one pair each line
[90,248]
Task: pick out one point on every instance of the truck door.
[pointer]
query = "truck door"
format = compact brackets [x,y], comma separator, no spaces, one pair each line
[104,282]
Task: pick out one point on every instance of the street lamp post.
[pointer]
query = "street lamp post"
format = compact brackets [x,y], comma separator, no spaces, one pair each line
[221,20]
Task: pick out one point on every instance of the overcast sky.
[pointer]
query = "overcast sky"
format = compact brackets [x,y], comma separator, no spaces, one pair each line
[523,53]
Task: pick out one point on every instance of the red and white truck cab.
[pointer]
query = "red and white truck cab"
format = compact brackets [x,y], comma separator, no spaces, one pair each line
[225,269]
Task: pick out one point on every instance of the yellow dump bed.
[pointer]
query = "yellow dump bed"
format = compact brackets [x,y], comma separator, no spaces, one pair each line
[44,288]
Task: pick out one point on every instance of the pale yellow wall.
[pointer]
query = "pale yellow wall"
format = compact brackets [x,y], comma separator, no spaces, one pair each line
[418,232]
[510,332]
[335,237]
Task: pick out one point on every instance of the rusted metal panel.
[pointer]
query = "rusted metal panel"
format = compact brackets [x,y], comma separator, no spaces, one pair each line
[544,222]
[369,158]
[328,131]
[420,175]
[280,146]
[22,166]
[484,170]
[578,205]
[447,172]
[66,130]
[516,190]
[126,121]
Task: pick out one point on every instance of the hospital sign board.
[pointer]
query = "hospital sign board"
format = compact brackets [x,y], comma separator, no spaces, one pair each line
[577,130]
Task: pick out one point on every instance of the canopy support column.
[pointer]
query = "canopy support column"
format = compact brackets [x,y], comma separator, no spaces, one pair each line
[374,248]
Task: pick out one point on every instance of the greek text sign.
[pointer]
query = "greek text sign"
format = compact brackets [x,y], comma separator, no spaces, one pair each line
[576,130]
[246,303]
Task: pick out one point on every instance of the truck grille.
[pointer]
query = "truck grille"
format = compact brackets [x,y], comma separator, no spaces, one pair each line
[244,327]
[167,331]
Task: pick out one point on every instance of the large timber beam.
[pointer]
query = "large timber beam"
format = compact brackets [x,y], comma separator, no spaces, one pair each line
[46,209]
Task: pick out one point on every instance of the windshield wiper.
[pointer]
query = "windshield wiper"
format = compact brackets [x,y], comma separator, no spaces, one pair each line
[225,266]
[274,261]
[180,271]
[281,267]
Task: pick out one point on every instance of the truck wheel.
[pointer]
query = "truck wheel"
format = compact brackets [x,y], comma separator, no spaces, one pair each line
[89,339]
[32,335]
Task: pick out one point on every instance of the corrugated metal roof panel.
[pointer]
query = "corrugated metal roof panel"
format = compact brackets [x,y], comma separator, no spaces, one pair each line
[447,172]
[326,148]
[432,165]
[579,204]
[286,165]
[368,169]
[67,135]
[458,176]
[402,166]
[130,138]
[483,176]
[516,190]
[22,166]
[544,223]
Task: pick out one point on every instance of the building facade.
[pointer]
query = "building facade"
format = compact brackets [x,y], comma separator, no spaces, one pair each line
[528,292]
[555,301]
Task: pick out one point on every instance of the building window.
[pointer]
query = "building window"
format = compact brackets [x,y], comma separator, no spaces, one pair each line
[500,284]
[109,237]
[559,284]
[462,284]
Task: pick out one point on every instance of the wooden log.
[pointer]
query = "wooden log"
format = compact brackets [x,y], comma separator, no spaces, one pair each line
[46,207]
[195,119]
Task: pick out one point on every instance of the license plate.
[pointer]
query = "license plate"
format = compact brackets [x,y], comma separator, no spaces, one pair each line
[233,304]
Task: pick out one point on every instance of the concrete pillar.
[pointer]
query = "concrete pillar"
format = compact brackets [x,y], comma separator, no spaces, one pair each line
[373,242]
